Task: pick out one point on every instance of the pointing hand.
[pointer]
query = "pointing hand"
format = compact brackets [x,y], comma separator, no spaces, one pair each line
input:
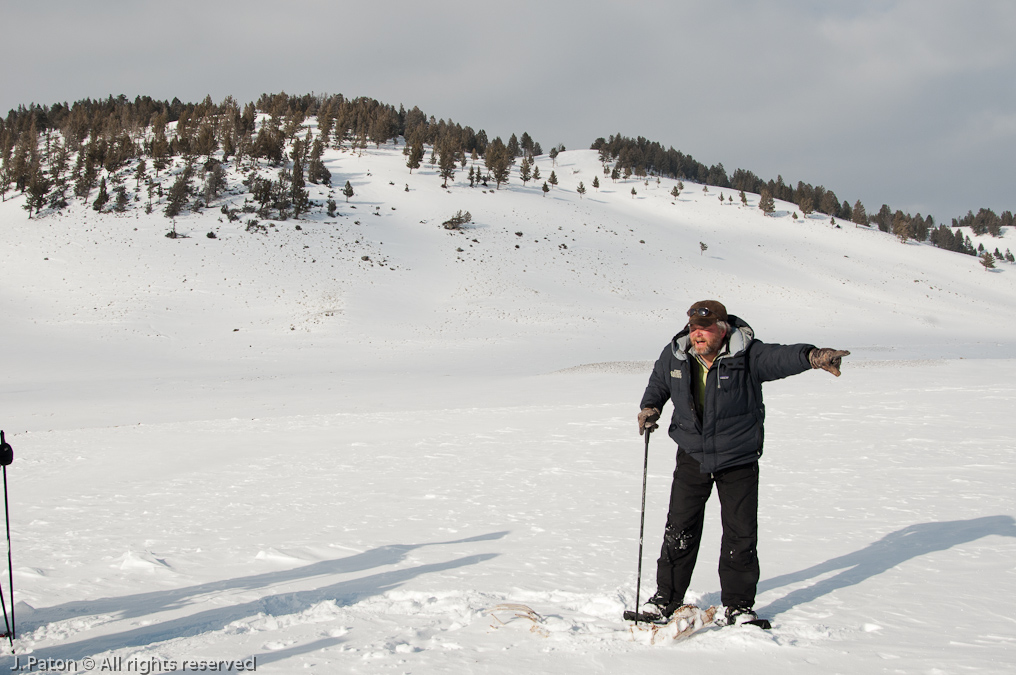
[827,359]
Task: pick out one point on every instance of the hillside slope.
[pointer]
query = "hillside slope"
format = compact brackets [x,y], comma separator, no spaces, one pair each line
[535,283]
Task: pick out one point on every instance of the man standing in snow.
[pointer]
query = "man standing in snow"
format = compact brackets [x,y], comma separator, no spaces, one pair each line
[713,372]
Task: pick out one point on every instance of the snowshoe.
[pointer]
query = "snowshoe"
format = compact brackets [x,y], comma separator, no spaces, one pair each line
[682,623]
[743,616]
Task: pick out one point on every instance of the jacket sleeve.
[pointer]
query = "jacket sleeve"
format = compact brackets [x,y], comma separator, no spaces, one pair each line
[774,362]
[658,390]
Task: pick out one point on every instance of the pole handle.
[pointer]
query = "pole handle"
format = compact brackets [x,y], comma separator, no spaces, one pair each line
[6,451]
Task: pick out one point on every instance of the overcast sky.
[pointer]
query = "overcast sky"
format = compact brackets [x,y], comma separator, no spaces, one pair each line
[910,103]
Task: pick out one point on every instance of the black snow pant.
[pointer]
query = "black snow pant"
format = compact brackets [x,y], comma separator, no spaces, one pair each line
[737,488]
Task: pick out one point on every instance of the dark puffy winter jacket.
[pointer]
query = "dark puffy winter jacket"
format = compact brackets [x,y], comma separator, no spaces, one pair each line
[730,432]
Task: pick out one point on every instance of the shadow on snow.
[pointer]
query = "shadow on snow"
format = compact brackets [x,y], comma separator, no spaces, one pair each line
[344,593]
[888,552]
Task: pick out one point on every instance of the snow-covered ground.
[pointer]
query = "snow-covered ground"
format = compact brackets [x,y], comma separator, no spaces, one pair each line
[265,445]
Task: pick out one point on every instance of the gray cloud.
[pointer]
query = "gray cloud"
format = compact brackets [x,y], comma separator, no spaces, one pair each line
[908,102]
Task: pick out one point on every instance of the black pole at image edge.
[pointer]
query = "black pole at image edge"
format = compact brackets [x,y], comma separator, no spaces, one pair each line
[6,457]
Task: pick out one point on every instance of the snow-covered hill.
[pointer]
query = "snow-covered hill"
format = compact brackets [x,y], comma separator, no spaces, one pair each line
[338,443]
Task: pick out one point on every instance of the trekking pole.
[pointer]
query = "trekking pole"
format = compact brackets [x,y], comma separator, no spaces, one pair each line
[642,528]
[6,457]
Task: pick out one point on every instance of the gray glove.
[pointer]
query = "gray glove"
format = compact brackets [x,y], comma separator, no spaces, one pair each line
[647,420]
[827,359]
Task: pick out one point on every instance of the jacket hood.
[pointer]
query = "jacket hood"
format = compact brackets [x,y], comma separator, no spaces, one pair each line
[740,337]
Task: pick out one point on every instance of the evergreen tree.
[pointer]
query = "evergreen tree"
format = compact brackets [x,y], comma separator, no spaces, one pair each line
[281,193]
[317,172]
[86,177]
[596,183]
[829,204]
[205,143]
[884,219]
[299,197]
[6,176]
[37,189]
[527,144]
[270,143]
[858,215]
[415,156]
[545,188]
[919,227]
[901,227]
[985,222]
[458,220]
[215,183]
[845,212]
[968,246]
[536,172]
[553,179]
[988,261]
[806,204]
[25,156]
[702,247]
[446,167]
[261,192]
[248,120]
[766,202]
[498,162]
[633,193]
[514,149]
[525,175]
[59,157]
[178,192]
[674,192]
[581,189]
[140,173]
[122,200]
[347,190]
[58,197]
[603,154]
[943,238]
[102,198]
[228,150]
